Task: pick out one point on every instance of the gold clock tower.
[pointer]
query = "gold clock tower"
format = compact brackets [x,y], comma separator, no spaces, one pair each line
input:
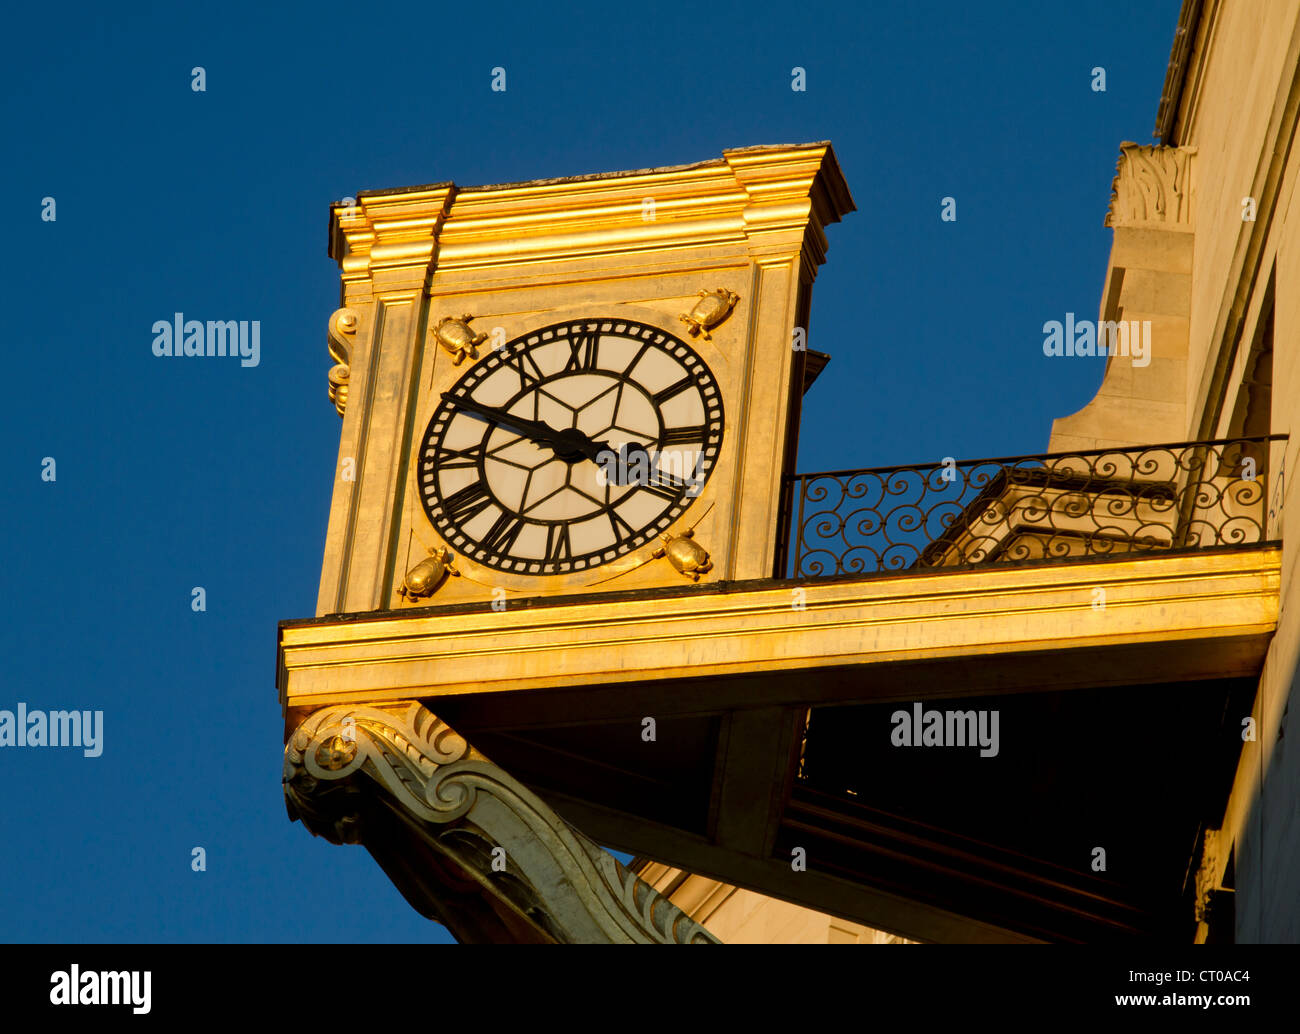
[570,407]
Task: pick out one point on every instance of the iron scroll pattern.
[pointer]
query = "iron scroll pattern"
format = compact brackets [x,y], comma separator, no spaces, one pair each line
[1024,509]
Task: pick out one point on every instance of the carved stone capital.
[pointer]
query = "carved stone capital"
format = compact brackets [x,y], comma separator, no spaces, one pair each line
[465,842]
[1152,188]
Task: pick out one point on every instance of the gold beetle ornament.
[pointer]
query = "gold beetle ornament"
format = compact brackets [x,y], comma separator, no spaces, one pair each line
[712,308]
[456,336]
[423,579]
[686,555]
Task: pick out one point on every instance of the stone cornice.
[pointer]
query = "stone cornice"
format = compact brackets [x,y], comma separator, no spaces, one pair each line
[1207,607]
[1176,76]
[760,197]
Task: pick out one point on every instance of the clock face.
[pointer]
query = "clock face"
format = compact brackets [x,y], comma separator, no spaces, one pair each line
[570,446]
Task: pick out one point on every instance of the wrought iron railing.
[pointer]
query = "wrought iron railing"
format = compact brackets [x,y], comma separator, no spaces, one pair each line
[1188,495]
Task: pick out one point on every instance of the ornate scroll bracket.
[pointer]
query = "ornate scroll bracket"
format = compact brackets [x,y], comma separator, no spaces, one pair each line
[1152,187]
[480,850]
[342,334]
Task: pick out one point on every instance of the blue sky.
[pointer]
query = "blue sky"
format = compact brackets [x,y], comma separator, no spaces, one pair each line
[172,475]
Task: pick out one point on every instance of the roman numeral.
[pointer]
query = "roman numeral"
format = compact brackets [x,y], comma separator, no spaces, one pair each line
[622,530]
[636,359]
[558,546]
[500,538]
[456,459]
[467,503]
[582,352]
[523,363]
[659,477]
[683,435]
[672,390]
[664,485]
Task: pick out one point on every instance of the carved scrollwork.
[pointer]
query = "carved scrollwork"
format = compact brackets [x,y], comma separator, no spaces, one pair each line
[400,749]
[668,922]
[455,800]
[342,332]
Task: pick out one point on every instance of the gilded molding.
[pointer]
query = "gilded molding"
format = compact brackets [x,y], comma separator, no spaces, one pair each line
[760,197]
[387,233]
[556,885]
[1152,187]
[342,333]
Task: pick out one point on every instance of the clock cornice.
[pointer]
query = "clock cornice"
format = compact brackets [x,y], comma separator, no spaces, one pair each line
[779,198]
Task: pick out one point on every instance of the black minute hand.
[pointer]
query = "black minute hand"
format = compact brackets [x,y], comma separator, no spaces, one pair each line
[535,429]
[563,442]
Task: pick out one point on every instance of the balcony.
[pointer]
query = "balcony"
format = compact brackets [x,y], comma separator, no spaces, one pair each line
[1156,499]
